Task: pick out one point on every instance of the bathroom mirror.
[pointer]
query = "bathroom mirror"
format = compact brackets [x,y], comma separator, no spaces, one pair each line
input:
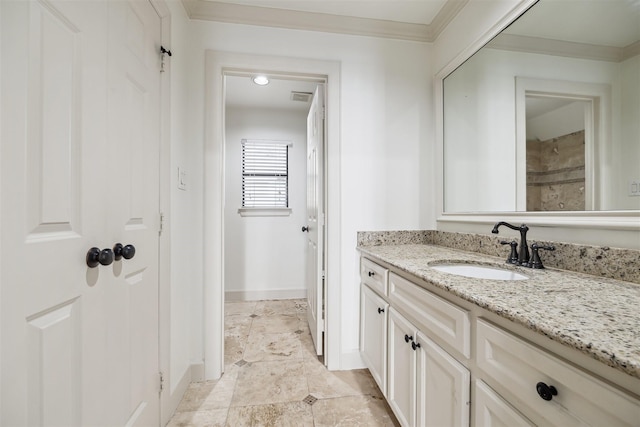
[546,116]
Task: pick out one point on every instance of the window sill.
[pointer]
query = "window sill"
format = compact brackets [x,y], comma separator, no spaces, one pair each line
[264,211]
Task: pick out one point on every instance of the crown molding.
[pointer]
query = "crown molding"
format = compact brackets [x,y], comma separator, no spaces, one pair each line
[544,46]
[310,21]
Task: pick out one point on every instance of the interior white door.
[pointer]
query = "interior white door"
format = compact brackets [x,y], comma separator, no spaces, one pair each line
[315,219]
[79,344]
[133,219]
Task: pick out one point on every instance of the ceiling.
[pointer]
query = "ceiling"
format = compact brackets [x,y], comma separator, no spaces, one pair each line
[240,91]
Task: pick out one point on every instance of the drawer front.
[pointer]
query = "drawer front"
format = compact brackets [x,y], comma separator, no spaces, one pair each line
[374,275]
[439,319]
[491,410]
[518,367]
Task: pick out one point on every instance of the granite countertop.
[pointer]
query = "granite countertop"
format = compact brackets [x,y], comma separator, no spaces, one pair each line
[597,316]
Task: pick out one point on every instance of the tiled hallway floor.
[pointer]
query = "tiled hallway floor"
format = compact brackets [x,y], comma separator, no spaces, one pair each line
[273,377]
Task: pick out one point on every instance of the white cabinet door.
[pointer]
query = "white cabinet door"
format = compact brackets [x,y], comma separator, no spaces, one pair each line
[491,410]
[373,335]
[443,387]
[401,387]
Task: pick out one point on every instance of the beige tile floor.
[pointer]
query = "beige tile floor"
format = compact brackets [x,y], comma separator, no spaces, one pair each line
[273,377]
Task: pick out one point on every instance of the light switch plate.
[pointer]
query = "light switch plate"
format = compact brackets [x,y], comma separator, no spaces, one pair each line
[182,179]
[634,187]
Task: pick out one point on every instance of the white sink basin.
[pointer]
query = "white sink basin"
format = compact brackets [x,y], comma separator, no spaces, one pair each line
[478,271]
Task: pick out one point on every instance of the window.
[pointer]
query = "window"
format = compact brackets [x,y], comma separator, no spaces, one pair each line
[265,174]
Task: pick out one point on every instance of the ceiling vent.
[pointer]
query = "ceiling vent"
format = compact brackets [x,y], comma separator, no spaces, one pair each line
[301,96]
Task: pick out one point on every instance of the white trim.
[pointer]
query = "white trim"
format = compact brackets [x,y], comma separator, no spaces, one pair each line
[213,235]
[268,294]
[597,129]
[518,43]
[310,21]
[351,360]
[250,212]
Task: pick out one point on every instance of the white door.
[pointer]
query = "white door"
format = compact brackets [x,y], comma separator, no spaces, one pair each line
[79,161]
[315,219]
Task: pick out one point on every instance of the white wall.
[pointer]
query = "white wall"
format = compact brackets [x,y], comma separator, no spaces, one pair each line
[385,125]
[264,256]
[185,218]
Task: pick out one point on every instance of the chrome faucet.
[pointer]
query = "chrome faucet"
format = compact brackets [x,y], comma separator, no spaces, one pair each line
[523,256]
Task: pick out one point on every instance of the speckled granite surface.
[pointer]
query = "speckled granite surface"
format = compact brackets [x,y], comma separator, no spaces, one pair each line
[614,263]
[595,315]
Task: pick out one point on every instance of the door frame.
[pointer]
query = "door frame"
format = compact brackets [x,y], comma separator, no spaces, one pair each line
[171,394]
[216,65]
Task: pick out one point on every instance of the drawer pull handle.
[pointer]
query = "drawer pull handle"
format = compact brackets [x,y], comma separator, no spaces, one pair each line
[380,310]
[372,273]
[415,345]
[407,338]
[546,391]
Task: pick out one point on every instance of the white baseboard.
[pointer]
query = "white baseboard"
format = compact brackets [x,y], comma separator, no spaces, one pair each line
[351,360]
[197,372]
[268,294]
[176,393]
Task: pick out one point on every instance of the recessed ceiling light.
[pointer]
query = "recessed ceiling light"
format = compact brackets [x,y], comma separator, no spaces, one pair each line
[261,80]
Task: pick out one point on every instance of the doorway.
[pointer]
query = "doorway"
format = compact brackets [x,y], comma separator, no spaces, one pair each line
[218,66]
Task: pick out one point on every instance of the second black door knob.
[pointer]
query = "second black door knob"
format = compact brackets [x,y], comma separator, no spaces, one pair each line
[126,252]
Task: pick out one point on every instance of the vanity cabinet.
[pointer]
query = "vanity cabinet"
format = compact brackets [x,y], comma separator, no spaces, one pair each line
[491,410]
[547,389]
[423,383]
[373,335]
[428,353]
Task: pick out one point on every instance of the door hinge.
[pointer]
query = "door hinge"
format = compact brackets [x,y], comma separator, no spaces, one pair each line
[161,375]
[161,224]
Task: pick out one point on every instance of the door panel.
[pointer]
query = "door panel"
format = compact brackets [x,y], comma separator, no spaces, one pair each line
[79,344]
[315,220]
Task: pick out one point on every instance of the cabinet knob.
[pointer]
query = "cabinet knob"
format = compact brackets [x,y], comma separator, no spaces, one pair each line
[380,310]
[415,345]
[371,273]
[407,338]
[546,391]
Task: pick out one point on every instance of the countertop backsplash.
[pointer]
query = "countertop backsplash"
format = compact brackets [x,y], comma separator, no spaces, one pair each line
[602,261]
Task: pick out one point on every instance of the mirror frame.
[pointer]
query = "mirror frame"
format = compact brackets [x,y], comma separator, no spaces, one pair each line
[604,220]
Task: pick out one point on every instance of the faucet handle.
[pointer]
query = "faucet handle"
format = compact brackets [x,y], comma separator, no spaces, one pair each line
[513,256]
[536,262]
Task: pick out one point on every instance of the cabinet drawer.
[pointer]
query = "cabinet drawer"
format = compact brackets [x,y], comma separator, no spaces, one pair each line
[438,318]
[374,275]
[491,410]
[517,367]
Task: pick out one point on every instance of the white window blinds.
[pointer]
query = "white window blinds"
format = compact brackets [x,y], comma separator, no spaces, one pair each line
[265,174]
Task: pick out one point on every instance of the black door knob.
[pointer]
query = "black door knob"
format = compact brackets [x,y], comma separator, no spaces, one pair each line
[305,228]
[96,256]
[380,310]
[372,273]
[126,252]
[415,345]
[546,391]
[408,338]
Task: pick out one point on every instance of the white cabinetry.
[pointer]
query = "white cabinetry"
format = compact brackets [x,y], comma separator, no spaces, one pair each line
[401,393]
[373,335]
[443,387]
[492,411]
[430,363]
[526,373]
